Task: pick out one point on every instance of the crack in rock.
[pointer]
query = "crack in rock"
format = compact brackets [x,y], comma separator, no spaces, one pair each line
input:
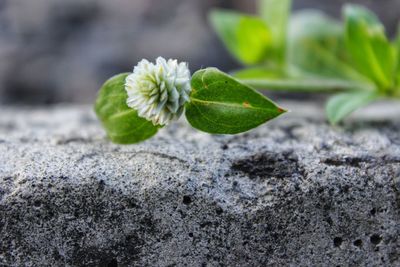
[269,164]
[358,161]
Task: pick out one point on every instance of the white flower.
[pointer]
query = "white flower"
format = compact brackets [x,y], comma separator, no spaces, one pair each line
[158,92]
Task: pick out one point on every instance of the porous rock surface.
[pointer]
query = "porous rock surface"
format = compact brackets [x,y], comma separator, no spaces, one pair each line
[293,192]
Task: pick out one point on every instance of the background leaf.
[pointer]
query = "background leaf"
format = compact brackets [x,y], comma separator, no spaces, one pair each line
[247,38]
[397,45]
[316,46]
[260,72]
[220,104]
[341,105]
[276,14]
[276,79]
[122,124]
[370,50]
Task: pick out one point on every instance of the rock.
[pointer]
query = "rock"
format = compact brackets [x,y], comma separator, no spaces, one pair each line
[294,192]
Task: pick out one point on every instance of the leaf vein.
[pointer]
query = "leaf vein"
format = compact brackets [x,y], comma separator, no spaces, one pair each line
[234,105]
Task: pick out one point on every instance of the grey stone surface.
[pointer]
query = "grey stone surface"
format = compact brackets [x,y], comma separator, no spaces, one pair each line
[294,192]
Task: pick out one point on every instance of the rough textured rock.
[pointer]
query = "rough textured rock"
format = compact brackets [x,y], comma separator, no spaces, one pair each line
[294,192]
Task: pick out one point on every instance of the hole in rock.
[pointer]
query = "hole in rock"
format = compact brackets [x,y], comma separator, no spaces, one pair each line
[113,263]
[186,200]
[357,243]
[219,210]
[373,212]
[375,239]
[337,241]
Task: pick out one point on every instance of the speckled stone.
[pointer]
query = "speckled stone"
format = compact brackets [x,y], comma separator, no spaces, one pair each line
[293,192]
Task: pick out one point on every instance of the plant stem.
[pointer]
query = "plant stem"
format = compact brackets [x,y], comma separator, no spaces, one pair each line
[308,85]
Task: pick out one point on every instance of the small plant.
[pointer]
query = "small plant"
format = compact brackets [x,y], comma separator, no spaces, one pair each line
[312,52]
[134,106]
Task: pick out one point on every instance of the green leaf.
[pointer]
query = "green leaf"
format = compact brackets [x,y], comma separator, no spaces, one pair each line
[316,47]
[397,45]
[122,124]
[341,105]
[260,72]
[276,13]
[247,38]
[219,104]
[370,50]
[276,79]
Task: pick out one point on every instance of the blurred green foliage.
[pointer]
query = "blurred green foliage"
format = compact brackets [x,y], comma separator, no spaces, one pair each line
[310,51]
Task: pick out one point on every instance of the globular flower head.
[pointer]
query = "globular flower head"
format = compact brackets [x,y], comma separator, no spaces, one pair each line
[158,92]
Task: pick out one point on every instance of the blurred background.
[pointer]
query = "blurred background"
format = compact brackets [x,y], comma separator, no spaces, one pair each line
[54,51]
